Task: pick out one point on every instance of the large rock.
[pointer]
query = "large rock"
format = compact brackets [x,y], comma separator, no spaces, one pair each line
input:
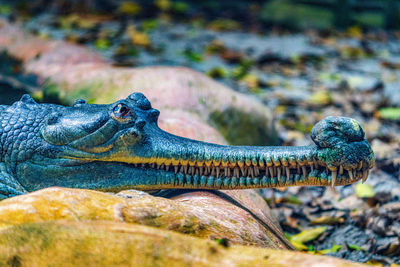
[81,73]
[200,214]
[122,244]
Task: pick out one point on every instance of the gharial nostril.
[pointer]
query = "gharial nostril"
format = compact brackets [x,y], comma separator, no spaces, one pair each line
[140,101]
[334,130]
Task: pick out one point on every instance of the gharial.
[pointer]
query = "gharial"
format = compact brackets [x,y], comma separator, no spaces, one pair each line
[119,146]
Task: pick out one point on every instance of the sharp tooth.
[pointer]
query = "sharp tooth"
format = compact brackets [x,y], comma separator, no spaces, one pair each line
[360,165]
[350,174]
[365,176]
[229,172]
[217,171]
[334,174]
[298,168]
[243,170]
[176,167]
[192,170]
[185,168]
[279,173]
[288,173]
[341,170]
[226,171]
[312,167]
[236,172]
[256,171]
[213,171]
[271,171]
[251,172]
[153,165]
[201,168]
[303,168]
[166,167]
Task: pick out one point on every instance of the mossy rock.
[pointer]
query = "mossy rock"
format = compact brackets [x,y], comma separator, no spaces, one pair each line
[120,244]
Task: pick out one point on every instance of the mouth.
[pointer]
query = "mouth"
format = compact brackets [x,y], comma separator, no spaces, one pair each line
[260,174]
[161,160]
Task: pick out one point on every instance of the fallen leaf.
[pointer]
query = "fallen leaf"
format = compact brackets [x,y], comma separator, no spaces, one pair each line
[355,247]
[364,190]
[224,25]
[129,8]
[304,236]
[333,249]
[389,113]
[164,5]
[102,44]
[327,220]
[217,72]
[250,80]
[321,98]
[137,37]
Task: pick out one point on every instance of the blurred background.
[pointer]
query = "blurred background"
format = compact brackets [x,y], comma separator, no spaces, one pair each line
[303,59]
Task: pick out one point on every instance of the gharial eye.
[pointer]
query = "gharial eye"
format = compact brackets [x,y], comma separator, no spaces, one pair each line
[121,111]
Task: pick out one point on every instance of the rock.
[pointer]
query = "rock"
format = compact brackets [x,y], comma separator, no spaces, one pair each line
[187,124]
[81,73]
[122,244]
[199,214]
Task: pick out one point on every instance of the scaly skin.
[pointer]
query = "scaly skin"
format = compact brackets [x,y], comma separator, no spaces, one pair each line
[118,146]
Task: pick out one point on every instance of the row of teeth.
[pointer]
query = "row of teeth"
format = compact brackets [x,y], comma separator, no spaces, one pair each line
[259,171]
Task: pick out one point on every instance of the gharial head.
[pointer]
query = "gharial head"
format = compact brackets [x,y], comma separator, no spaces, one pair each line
[116,146]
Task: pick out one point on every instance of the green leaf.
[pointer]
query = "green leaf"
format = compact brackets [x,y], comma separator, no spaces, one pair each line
[355,247]
[217,72]
[294,200]
[308,235]
[102,44]
[193,56]
[150,24]
[5,10]
[304,236]
[180,7]
[129,8]
[389,113]
[333,249]
[364,191]
[321,98]
[299,246]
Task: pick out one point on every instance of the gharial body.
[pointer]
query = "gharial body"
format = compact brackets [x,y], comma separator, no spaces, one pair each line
[119,146]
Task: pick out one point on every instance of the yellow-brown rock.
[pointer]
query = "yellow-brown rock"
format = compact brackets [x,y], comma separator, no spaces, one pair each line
[199,214]
[123,244]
